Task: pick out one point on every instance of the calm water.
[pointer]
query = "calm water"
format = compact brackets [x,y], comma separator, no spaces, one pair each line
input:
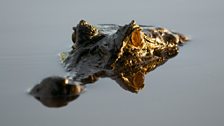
[186,91]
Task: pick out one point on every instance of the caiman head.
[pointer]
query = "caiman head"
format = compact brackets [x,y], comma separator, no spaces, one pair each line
[125,56]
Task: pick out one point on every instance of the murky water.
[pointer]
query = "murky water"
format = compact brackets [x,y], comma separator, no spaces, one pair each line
[187,90]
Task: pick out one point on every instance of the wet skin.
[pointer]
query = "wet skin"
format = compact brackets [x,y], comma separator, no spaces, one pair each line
[126,56]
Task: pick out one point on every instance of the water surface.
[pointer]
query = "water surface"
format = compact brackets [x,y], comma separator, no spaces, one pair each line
[187,90]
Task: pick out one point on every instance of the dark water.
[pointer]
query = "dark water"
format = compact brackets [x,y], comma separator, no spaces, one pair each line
[186,91]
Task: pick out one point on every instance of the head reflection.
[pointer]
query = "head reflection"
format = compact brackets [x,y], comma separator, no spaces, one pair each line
[56,91]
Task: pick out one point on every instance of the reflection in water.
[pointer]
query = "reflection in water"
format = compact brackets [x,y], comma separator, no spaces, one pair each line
[125,55]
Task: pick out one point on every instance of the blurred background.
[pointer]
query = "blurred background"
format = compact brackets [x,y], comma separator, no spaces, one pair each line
[186,91]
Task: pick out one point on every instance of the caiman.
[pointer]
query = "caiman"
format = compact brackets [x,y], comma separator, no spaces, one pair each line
[123,53]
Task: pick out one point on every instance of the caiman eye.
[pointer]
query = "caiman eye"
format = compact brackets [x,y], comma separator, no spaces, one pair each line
[136,38]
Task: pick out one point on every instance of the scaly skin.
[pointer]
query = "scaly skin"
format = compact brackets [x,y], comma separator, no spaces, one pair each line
[125,56]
